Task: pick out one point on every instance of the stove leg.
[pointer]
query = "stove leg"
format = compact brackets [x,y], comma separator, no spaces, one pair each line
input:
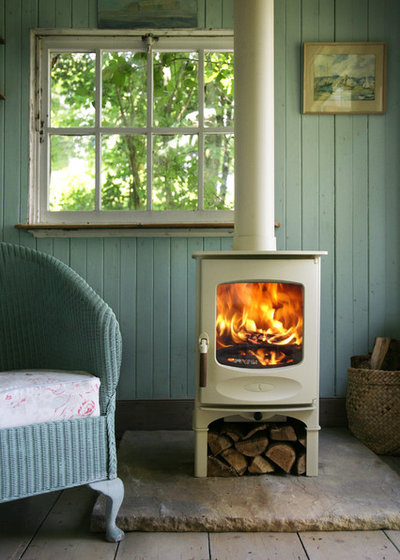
[312,451]
[200,462]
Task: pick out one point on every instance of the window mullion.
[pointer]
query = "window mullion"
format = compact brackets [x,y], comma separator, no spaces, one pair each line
[98,104]
[149,146]
[201,133]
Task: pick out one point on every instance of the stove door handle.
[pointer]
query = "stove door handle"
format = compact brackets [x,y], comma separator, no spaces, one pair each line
[204,342]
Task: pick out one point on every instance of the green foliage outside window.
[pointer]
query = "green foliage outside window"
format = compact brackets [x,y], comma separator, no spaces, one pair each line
[124,152]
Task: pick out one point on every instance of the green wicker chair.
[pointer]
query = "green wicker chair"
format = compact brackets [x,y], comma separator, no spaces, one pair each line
[51,319]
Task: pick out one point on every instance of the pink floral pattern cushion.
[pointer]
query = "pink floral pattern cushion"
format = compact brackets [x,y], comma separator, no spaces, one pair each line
[33,396]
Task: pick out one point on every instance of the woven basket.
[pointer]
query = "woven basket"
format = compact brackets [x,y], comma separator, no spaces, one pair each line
[373,407]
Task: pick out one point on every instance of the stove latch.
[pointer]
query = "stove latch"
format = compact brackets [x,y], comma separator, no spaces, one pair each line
[204,342]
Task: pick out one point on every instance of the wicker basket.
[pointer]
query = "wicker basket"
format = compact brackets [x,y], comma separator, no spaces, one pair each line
[373,407]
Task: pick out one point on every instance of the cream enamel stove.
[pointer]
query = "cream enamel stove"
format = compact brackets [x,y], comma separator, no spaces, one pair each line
[258,342]
[257,308]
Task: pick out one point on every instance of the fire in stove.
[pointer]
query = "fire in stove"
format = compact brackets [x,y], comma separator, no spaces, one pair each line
[259,324]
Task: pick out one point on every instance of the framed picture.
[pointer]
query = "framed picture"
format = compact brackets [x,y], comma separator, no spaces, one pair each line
[344,78]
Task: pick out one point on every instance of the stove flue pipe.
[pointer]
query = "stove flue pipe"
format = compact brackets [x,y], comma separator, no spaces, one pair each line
[254,125]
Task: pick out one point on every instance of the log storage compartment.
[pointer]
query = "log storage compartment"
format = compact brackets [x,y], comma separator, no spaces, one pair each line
[238,448]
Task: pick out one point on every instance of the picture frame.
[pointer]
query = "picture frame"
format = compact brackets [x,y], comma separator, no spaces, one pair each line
[344,77]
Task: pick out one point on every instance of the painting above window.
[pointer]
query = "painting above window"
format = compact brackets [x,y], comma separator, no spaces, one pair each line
[134,130]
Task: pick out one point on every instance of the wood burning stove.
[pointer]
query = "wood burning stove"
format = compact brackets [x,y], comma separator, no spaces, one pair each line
[258,335]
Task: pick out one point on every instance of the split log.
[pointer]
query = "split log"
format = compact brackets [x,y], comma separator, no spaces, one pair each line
[255,428]
[253,446]
[379,351]
[215,467]
[285,432]
[236,460]
[218,443]
[260,465]
[234,430]
[283,455]
[301,464]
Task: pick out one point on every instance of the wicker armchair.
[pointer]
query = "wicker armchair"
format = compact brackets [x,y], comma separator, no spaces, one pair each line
[51,319]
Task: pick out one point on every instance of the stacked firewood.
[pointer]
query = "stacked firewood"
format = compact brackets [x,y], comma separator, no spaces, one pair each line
[239,448]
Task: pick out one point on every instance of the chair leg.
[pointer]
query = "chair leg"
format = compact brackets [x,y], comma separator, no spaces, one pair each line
[114,493]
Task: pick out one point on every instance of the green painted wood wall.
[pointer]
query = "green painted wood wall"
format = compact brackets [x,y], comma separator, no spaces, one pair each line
[337,188]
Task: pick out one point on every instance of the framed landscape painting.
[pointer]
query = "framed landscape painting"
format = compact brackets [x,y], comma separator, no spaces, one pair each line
[344,78]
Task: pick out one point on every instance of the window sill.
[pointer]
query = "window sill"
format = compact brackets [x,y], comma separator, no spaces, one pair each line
[129,230]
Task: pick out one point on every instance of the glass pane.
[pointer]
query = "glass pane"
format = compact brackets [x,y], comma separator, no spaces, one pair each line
[123,174]
[175,172]
[218,89]
[72,89]
[72,173]
[259,324]
[124,89]
[176,89]
[218,172]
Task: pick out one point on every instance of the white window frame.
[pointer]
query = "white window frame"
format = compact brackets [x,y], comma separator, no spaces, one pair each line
[43,42]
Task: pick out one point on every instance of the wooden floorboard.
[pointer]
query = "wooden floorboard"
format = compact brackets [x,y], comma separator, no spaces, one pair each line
[57,527]
[65,534]
[164,546]
[394,537]
[349,545]
[256,546]
[19,522]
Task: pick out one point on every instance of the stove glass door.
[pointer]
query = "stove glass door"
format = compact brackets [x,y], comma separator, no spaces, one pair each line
[259,324]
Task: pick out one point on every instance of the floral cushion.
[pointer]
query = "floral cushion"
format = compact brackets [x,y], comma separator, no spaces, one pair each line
[36,396]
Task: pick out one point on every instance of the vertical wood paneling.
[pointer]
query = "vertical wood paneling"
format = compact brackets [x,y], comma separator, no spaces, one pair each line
[95,263]
[326,135]
[144,318]
[2,115]
[280,122]
[64,14]
[80,13]
[127,319]
[392,172]
[161,314]
[214,14]
[310,146]
[337,188]
[194,244]
[227,14]
[12,121]
[179,309]
[293,127]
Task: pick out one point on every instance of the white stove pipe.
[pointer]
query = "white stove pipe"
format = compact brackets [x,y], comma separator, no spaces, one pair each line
[254,125]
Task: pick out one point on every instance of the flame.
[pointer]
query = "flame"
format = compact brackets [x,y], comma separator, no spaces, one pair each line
[260,315]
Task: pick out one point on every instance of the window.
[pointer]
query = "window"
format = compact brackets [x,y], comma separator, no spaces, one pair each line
[133,129]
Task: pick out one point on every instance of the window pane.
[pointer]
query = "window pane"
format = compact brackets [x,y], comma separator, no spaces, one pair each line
[124,89]
[72,89]
[175,172]
[72,173]
[176,89]
[218,89]
[123,175]
[218,172]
